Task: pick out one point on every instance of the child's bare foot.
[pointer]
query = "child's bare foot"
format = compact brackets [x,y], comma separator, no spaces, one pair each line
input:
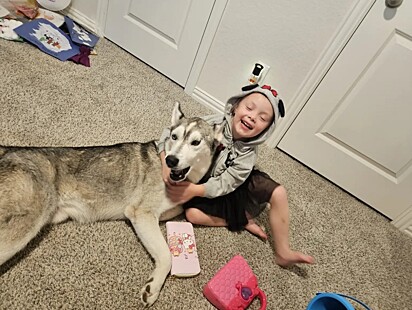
[291,258]
[255,229]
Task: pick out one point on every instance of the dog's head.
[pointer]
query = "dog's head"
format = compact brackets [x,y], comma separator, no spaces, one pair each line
[191,146]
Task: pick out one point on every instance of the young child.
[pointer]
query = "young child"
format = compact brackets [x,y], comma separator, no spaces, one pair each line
[236,192]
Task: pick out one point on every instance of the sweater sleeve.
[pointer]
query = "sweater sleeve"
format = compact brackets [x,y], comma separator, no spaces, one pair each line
[162,140]
[232,177]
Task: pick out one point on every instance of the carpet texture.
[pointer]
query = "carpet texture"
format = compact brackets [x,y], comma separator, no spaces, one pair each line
[45,102]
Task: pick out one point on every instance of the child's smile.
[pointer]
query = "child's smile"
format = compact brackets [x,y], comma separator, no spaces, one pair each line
[247,125]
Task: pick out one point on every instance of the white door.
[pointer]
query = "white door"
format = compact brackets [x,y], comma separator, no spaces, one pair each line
[356,129]
[164,34]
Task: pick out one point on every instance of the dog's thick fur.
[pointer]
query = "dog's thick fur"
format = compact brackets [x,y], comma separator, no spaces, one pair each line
[39,186]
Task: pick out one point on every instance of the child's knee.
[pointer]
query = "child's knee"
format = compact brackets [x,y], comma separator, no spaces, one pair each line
[193,215]
[279,193]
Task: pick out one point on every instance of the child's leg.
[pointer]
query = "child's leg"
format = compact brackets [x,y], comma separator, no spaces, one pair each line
[198,217]
[255,229]
[279,224]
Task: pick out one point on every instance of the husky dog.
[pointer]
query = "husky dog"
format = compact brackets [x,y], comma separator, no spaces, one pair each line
[43,185]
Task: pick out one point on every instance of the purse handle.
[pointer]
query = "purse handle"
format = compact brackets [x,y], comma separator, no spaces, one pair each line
[263,299]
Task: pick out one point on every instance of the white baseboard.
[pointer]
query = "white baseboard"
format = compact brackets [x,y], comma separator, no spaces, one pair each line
[81,19]
[404,222]
[208,100]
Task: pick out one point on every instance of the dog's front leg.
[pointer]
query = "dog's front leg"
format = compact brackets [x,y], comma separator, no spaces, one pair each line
[171,213]
[146,225]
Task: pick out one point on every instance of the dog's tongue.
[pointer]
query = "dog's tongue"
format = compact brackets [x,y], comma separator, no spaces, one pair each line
[179,175]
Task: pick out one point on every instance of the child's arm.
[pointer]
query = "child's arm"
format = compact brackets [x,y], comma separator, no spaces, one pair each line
[162,140]
[182,192]
[161,151]
[234,176]
[165,168]
[223,184]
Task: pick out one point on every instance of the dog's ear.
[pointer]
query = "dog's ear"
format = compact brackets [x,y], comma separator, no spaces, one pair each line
[218,129]
[177,114]
[249,87]
[281,107]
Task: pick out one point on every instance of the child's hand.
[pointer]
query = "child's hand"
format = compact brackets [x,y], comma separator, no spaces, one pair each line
[182,192]
[165,169]
[166,174]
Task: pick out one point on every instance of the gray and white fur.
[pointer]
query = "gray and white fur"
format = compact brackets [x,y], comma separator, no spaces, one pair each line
[49,185]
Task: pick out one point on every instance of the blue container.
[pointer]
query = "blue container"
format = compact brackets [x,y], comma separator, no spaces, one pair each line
[332,301]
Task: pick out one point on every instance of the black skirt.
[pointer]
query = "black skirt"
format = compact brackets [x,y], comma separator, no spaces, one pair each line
[248,200]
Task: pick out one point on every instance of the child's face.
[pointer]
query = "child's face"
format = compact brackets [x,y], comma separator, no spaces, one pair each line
[253,115]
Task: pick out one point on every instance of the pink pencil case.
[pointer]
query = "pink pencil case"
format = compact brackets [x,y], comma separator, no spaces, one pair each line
[234,286]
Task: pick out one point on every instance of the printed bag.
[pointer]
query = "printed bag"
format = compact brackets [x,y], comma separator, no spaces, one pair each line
[234,286]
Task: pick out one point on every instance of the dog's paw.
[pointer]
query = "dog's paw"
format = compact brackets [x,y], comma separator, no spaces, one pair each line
[147,295]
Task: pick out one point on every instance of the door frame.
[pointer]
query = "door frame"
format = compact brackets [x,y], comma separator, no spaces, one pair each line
[321,67]
[211,28]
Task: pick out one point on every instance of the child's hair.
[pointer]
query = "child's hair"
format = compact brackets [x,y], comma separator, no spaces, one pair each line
[234,106]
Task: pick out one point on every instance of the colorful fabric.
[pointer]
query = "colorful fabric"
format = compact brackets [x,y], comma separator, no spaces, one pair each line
[83,57]
[80,35]
[49,38]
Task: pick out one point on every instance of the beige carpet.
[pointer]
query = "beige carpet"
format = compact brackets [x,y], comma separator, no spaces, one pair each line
[45,102]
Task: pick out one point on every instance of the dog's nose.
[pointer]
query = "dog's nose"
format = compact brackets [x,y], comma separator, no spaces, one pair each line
[172,161]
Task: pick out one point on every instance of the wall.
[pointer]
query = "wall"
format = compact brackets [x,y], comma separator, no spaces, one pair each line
[288,35]
[86,13]
[88,8]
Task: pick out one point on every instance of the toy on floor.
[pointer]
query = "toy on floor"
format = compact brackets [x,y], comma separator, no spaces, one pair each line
[182,246]
[234,286]
[333,301]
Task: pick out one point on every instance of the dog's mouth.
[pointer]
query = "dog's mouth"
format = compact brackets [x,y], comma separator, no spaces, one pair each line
[179,175]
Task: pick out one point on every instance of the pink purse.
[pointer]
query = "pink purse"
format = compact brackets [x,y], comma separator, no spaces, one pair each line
[234,286]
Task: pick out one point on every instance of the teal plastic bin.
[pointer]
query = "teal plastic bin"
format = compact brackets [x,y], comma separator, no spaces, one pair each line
[333,301]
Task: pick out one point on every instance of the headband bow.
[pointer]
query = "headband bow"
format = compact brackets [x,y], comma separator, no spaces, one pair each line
[281,107]
[274,92]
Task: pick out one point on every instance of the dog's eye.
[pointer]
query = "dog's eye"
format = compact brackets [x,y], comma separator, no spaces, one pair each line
[195,142]
[174,137]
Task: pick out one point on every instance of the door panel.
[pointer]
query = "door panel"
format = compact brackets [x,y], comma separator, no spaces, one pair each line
[356,128]
[164,34]
[168,21]
[371,96]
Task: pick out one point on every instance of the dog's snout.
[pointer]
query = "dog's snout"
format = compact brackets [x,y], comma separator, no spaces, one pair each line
[172,161]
